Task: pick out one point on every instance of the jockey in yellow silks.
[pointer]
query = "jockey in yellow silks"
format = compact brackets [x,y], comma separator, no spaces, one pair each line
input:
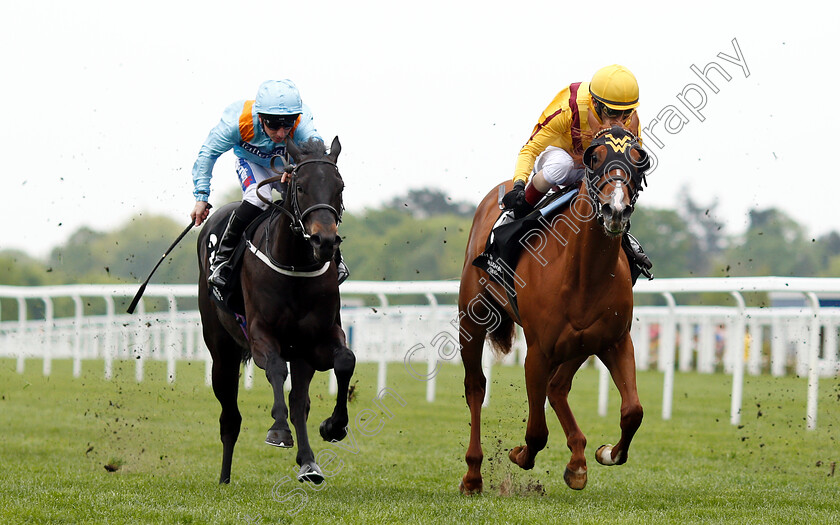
[554,150]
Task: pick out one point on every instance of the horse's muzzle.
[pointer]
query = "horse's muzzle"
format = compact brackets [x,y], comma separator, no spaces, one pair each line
[616,216]
[324,245]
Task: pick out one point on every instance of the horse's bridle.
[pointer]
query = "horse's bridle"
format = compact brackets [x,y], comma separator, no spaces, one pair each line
[615,160]
[296,216]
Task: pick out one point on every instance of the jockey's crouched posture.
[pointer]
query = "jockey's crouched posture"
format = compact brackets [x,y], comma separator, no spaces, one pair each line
[564,131]
[256,130]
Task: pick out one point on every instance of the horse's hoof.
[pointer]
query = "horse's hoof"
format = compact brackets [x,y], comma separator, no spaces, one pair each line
[516,454]
[280,438]
[476,489]
[604,455]
[310,472]
[329,432]
[575,479]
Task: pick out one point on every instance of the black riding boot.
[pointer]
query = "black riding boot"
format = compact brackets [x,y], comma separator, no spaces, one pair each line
[239,220]
[341,266]
[639,262]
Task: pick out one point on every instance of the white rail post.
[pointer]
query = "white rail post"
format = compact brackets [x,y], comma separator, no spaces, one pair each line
[667,354]
[208,360]
[830,347]
[778,359]
[603,387]
[142,332]
[487,367]
[642,343]
[249,374]
[813,355]
[382,365]
[686,346]
[21,301]
[109,337]
[756,344]
[432,355]
[49,319]
[170,339]
[332,385]
[706,347]
[738,361]
[78,310]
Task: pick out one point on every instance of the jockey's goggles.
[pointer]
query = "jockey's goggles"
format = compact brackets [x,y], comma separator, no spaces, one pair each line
[616,113]
[275,122]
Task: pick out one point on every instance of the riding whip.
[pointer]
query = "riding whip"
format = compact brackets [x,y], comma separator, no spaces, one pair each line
[142,289]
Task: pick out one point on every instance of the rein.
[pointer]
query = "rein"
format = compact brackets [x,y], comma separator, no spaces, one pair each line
[296,217]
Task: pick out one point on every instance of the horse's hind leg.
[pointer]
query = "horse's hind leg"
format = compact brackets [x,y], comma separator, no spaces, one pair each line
[276,372]
[226,363]
[536,432]
[621,363]
[302,374]
[558,396]
[472,336]
[334,428]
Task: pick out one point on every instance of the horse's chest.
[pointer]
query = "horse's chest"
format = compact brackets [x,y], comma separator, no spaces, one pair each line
[592,332]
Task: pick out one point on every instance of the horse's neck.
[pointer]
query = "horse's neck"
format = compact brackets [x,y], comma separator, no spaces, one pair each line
[591,254]
[285,246]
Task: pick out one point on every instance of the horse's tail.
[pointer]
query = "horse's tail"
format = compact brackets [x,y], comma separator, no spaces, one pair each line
[501,337]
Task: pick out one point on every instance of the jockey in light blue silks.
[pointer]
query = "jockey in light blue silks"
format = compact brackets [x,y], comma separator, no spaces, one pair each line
[256,130]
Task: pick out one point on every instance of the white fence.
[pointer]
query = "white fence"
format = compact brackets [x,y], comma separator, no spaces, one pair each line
[688,338]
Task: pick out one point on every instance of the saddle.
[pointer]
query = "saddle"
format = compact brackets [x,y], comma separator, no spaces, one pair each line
[502,251]
[230,297]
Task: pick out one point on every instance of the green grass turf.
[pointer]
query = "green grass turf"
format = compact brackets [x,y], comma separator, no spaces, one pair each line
[58,433]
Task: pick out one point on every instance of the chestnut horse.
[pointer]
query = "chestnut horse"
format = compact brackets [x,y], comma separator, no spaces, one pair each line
[290,292]
[574,294]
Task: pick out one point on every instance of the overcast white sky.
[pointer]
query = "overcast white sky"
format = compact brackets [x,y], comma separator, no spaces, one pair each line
[107,103]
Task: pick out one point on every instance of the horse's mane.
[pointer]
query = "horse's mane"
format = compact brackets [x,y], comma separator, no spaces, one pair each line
[313,147]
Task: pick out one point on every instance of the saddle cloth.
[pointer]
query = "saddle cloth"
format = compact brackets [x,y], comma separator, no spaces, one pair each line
[503,248]
[230,297]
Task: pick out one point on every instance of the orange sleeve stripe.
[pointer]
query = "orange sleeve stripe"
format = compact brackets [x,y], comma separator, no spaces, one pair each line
[292,132]
[246,122]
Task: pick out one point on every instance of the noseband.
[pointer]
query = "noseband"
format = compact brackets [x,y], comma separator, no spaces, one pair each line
[619,143]
[296,216]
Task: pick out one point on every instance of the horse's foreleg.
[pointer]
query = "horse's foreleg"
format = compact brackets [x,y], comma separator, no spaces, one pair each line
[472,346]
[621,363]
[334,428]
[302,374]
[536,433]
[575,474]
[276,372]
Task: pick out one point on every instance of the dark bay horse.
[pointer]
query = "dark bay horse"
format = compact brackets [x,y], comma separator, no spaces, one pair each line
[574,294]
[290,290]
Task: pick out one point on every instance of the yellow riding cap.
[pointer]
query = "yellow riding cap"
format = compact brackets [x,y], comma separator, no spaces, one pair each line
[615,87]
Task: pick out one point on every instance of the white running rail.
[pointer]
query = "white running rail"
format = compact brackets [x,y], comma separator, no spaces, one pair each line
[729,336]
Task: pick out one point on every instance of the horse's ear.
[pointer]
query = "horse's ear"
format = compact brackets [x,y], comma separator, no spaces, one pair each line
[293,150]
[589,156]
[335,149]
[643,164]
